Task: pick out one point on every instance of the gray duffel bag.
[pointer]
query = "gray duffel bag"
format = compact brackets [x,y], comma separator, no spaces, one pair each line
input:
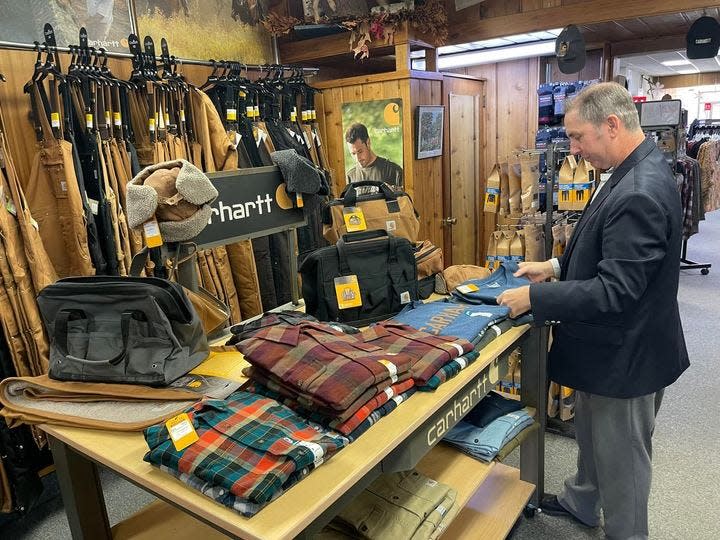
[111,329]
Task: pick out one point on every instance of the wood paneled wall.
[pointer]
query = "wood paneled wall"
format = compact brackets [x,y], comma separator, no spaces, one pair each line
[423,178]
[549,71]
[684,81]
[511,106]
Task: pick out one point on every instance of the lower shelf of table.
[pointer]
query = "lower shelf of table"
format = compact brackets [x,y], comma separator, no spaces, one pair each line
[494,508]
[491,494]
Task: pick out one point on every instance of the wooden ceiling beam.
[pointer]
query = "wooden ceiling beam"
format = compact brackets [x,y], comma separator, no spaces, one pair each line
[648,45]
[473,28]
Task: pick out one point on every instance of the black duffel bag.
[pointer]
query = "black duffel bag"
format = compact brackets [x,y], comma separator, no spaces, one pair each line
[385,270]
[121,330]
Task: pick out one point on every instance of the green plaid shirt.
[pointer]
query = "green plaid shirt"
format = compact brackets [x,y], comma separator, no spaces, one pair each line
[249,445]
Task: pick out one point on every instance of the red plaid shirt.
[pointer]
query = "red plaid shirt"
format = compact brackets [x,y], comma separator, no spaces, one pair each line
[375,403]
[321,411]
[328,367]
[429,352]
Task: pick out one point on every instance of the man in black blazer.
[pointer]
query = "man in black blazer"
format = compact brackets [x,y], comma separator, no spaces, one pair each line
[617,336]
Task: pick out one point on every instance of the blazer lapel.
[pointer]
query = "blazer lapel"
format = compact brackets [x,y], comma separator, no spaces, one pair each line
[637,155]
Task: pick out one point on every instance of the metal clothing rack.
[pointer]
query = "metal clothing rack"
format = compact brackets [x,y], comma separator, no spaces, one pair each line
[685,263]
[11,45]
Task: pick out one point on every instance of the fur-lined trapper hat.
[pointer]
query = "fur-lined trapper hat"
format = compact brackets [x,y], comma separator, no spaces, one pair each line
[177,193]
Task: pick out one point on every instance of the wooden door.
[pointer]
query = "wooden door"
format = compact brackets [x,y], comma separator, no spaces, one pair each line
[465,161]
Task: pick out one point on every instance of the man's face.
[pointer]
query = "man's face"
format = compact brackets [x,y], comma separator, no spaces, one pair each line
[588,141]
[361,152]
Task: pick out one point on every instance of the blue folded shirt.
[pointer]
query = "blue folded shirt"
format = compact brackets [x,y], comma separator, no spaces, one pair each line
[485,443]
[452,319]
[486,290]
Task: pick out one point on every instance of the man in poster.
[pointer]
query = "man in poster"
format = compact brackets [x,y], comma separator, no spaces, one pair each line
[369,165]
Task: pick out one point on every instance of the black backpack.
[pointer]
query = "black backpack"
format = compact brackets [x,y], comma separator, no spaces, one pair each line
[386,275]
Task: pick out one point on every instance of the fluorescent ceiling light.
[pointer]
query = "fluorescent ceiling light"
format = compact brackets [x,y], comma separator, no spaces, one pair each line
[671,63]
[506,40]
[539,48]
[687,71]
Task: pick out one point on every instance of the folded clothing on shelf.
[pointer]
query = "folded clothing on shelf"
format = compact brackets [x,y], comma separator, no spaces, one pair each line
[485,443]
[486,291]
[378,413]
[490,408]
[247,329]
[429,352]
[117,407]
[248,445]
[403,506]
[452,319]
[330,368]
[348,421]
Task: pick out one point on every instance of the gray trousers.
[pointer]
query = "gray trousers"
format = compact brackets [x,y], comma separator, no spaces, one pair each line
[614,468]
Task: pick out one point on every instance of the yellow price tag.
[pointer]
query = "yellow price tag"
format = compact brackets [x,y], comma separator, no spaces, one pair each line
[151,229]
[299,200]
[181,431]
[354,219]
[182,115]
[470,287]
[231,114]
[347,291]
[151,124]
[55,119]
[117,119]
[89,120]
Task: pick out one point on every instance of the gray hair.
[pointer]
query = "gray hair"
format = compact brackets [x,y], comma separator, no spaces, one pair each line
[595,103]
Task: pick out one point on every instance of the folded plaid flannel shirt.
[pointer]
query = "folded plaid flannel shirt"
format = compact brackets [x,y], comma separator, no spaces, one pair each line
[329,367]
[248,444]
[429,352]
[377,414]
[346,425]
[315,410]
[448,371]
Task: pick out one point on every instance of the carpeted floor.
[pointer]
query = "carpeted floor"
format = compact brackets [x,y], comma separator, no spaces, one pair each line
[686,482]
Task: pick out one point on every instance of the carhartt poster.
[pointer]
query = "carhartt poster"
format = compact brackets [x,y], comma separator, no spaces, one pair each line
[373,138]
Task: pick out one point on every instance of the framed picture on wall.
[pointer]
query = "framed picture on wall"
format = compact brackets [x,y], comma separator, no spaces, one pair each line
[429,121]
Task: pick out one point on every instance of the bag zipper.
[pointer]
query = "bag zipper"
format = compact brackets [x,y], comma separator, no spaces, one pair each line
[70,286]
[426,254]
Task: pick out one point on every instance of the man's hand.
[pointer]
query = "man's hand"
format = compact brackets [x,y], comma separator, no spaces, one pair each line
[518,300]
[536,271]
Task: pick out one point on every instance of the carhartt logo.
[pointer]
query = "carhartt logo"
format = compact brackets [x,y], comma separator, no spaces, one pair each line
[702,41]
[493,285]
[231,212]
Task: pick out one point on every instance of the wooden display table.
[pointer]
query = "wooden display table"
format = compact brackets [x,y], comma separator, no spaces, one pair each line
[408,437]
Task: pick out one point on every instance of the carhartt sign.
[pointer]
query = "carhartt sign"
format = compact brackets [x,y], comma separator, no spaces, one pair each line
[247,206]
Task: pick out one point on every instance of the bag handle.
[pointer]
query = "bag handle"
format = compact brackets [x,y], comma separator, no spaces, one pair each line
[366,235]
[349,195]
[66,315]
